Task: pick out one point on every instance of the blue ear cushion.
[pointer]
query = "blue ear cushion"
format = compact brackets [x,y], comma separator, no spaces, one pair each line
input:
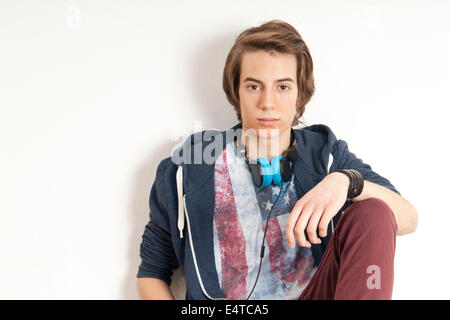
[270,171]
[266,171]
[276,176]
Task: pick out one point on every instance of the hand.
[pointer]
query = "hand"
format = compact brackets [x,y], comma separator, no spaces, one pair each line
[315,210]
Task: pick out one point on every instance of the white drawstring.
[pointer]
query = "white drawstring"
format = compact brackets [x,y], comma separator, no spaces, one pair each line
[330,161]
[180,200]
[182,210]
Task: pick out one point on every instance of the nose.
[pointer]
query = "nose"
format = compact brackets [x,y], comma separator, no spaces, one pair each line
[267,100]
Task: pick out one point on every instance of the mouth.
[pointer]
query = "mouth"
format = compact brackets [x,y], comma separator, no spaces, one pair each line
[267,122]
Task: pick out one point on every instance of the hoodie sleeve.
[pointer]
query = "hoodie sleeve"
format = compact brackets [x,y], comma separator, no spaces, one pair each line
[347,160]
[156,249]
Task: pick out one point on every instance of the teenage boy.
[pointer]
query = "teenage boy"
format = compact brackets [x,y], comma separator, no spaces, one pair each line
[312,221]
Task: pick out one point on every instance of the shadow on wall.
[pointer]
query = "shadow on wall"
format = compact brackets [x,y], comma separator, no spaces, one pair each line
[213,111]
[205,82]
[140,215]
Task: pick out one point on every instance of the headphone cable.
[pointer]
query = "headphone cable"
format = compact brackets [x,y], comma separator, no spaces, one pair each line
[263,247]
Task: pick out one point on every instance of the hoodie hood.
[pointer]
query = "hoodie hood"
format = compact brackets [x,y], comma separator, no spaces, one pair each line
[313,142]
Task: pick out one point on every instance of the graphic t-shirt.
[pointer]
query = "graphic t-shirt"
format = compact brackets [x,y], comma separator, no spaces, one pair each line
[240,216]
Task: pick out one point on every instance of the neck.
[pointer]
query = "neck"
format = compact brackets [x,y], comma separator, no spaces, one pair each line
[265,143]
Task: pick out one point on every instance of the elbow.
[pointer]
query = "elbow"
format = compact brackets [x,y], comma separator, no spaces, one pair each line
[415,221]
[412,223]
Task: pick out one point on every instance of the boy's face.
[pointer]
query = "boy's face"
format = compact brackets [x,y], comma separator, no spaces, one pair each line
[263,96]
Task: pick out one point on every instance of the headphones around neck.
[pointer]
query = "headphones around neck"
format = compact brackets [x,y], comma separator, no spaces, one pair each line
[278,171]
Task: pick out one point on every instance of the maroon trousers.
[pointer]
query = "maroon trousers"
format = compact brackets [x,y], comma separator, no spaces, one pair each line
[358,262]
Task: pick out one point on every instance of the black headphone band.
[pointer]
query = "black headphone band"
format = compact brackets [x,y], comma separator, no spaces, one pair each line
[289,156]
[290,153]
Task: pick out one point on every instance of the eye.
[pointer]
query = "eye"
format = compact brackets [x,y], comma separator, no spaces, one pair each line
[283,85]
[251,86]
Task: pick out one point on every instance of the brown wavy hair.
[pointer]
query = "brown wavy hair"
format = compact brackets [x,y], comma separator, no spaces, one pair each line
[274,35]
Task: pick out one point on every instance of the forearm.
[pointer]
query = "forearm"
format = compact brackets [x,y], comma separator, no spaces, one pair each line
[405,214]
[153,289]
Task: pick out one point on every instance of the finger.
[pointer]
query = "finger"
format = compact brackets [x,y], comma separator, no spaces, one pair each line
[325,221]
[300,226]
[290,223]
[313,223]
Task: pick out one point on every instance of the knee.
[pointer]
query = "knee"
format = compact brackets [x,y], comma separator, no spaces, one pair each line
[371,213]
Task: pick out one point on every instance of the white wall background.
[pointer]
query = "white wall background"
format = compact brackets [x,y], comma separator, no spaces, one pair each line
[93,94]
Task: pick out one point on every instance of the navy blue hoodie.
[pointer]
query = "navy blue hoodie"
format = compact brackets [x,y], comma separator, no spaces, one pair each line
[183,194]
